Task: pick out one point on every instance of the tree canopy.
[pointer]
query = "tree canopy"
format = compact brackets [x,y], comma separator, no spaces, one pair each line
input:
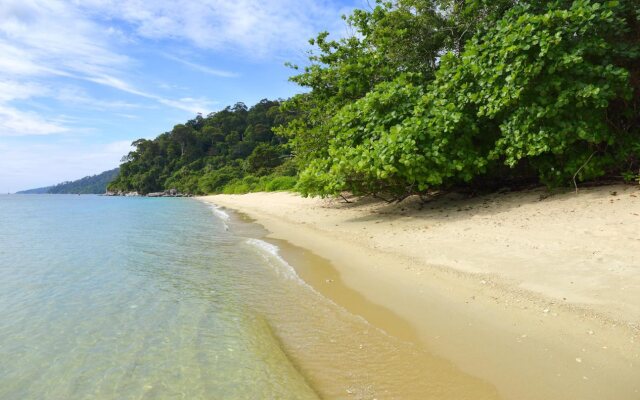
[234,148]
[428,95]
[434,94]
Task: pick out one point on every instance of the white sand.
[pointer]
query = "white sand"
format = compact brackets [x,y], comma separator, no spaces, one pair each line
[538,295]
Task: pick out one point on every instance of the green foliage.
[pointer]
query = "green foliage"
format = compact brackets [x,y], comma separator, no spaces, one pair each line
[392,39]
[264,157]
[537,89]
[368,151]
[544,90]
[427,95]
[216,180]
[271,183]
[207,153]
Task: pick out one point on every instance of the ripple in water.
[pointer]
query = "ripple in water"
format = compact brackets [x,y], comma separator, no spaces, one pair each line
[113,298]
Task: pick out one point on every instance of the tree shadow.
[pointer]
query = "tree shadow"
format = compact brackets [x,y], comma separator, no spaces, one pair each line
[454,206]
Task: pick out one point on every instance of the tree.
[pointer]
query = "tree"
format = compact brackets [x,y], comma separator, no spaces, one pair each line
[206,153]
[264,156]
[543,90]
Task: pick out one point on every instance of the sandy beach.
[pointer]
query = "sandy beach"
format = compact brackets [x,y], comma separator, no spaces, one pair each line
[537,294]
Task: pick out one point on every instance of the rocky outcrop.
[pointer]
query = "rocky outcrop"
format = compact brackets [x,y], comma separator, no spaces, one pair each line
[120,193]
[166,193]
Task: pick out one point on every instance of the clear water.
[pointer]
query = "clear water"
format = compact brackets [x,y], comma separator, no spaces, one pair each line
[131,298]
[137,298]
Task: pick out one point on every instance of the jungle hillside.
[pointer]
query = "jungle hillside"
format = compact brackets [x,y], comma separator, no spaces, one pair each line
[94,184]
[427,95]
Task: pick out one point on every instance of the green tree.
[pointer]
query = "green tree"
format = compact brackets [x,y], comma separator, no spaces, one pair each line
[264,156]
[205,153]
[545,90]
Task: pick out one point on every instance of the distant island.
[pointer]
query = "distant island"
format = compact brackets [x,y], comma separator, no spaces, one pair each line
[95,184]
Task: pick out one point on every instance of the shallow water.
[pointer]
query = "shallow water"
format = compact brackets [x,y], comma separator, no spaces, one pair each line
[136,298]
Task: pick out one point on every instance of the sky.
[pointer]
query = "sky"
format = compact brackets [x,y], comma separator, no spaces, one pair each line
[81,79]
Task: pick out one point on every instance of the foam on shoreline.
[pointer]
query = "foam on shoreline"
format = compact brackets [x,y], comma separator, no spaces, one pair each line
[221,214]
[490,281]
[272,251]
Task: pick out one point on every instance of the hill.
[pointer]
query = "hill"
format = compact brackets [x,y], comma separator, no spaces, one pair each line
[41,190]
[95,184]
[233,150]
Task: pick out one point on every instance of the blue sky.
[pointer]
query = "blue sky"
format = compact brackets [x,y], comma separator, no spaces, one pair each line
[81,79]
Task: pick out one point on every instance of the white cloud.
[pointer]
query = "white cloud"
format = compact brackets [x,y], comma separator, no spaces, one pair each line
[121,147]
[36,165]
[203,68]
[186,104]
[78,96]
[79,39]
[14,122]
[44,38]
[48,47]
[189,104]
[18,62]
[127,116]
[256,27]
[51,37]
[14,90]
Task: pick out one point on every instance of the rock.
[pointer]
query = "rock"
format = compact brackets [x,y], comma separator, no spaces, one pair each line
[166,193]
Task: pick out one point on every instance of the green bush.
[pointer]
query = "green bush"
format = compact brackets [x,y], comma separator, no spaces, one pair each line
[427,95]
[544,91]
[260,184]
[216,180]
[279,183]
[185,181]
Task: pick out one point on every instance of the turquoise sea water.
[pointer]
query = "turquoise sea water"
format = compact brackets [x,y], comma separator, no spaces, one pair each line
[140,298]
[133,298]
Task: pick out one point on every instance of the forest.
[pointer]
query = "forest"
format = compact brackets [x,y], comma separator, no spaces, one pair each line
[234,150]
[94,184]
[423,96]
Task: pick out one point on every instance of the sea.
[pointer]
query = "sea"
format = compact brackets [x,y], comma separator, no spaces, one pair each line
[172,298]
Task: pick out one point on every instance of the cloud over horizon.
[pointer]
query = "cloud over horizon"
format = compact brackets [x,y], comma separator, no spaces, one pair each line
[101,71]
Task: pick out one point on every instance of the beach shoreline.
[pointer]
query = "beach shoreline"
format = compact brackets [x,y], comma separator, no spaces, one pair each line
[537,295]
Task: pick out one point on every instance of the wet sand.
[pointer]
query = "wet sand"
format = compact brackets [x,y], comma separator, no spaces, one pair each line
[341,354]
[538,296]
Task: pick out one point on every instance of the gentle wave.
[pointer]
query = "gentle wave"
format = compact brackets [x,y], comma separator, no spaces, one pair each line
[224,217]
[273,251]
[76,264]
